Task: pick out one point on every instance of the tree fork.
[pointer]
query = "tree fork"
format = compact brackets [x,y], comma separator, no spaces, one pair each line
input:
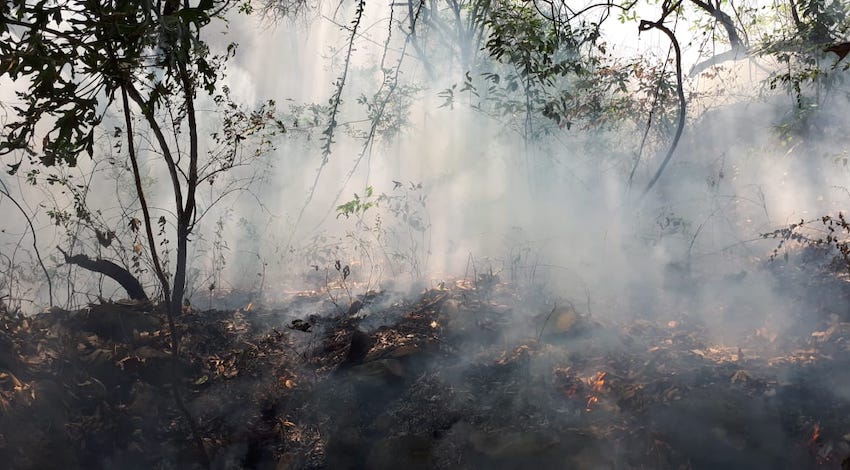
[163,279]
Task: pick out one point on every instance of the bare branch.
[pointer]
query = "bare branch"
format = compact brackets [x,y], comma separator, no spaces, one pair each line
[5,191]
[645,26]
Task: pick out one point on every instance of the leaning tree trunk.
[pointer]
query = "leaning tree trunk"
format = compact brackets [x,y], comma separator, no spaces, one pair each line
[111,270]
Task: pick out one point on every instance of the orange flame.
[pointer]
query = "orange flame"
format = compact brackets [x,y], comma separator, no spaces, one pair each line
[815,436]
[596,386]
[599,382]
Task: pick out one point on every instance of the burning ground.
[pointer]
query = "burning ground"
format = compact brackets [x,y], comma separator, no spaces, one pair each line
[475,373]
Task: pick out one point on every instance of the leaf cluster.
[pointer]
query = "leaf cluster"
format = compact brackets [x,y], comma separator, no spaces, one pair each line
[75,55]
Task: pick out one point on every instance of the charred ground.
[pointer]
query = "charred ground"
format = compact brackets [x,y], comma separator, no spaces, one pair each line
[460,376]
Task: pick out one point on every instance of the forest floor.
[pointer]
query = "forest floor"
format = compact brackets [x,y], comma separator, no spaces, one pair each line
[452,378]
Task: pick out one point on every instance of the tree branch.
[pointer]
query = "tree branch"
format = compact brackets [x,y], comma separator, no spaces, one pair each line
[645,26]
[113,271]
[147,112]
[5,191]
[732,54]
[725,20]
[140,192]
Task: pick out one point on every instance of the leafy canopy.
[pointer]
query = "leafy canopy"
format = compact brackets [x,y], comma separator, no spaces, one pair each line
[75,54]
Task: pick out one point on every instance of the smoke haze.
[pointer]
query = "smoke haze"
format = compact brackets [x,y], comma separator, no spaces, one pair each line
[466,192]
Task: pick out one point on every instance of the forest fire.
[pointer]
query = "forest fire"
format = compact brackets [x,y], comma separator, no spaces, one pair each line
[596,384]
[824,451]
[653,379]
[424,235]
[815,437]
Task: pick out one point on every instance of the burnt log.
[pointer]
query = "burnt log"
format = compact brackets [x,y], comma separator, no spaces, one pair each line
[111,270]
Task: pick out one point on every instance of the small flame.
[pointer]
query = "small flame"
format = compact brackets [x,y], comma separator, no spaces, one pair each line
[815,436]
[596,385]
[599,382]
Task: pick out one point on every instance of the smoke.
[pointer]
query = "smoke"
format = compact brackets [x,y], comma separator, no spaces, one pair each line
[555,211]
[445,189]
[461,192]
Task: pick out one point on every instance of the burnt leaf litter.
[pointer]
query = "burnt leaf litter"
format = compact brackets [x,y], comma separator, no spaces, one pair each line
[459,376]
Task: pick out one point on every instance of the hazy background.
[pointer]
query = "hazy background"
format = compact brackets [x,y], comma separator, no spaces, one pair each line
[555,212]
